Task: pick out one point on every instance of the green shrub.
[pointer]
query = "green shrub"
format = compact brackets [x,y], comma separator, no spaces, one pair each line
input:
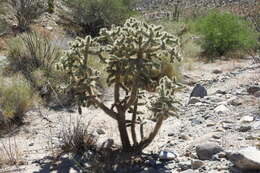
[223,32]
[16,98]
[92,15]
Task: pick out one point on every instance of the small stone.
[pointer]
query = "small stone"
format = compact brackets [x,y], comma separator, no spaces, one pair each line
[184,137]
[216,136]
[217,71]
[222,155]
[195,164]
[148,170]
[253,89]
[257,94]
[207,150]
[199,91]
[188,171]
[256,125]
[184,165]
[221,109]
[247,119]
[244,128]
[194,100]
[235,102]
[171,134]
[100,131]
[222,92]
[49,28]
[31,144]
[246,159]
[167,155]
[227,126]
[196,122]
[211,124]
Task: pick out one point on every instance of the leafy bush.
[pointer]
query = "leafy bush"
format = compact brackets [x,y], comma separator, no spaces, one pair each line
[16,98]
[34,56]
[92,15]
[24,11]
[223,32]
[132,53]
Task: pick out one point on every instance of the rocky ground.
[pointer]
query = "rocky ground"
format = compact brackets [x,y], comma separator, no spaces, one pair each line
[207,137]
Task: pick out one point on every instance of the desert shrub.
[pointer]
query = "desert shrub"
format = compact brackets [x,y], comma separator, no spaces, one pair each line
[24,11]
[132,53]
[34,56]
[75,137]
[91,15]
[16,98]
[223,32]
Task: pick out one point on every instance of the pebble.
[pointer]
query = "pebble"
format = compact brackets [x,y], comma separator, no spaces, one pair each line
[195,164]
[221,109]
[244,128]
[247,119]
[167,155]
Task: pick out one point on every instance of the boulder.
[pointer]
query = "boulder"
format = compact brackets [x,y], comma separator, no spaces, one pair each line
[199,91]
[207,150]
[246,159]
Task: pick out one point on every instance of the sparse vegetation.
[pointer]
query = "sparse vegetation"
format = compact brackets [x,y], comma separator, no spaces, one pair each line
[76,138]
[10,153]
[223,32]
[54,85]
[24,11]
[34,56]
[132,53]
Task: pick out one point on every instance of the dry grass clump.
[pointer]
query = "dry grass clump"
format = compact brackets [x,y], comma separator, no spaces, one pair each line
[10,153]
[16,98]
[75,137]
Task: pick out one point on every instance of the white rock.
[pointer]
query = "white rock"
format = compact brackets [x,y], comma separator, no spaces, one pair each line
[246,119]
[256,125]
[221,109]
[167,155]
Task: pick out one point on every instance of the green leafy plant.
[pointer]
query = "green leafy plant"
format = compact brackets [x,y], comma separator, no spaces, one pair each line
[132,53]
[223,32]
[92,15]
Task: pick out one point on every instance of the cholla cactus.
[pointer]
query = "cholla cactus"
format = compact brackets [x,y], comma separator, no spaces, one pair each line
[132,53]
